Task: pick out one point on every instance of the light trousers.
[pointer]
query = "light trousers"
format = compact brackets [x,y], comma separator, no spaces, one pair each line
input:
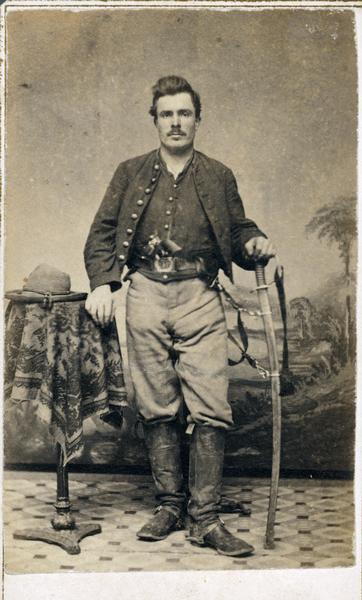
[177,351]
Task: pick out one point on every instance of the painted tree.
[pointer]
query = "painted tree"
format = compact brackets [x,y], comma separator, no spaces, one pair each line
[336,223]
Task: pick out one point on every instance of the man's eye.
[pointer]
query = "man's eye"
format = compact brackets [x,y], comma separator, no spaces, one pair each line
[165,114]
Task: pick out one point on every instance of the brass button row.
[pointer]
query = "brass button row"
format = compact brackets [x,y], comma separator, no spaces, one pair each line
[134,216]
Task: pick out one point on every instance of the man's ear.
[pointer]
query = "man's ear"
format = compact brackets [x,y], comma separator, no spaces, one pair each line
[197,123]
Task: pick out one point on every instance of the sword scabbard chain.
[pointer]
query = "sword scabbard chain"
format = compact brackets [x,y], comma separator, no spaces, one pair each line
[253,362]
[252,313]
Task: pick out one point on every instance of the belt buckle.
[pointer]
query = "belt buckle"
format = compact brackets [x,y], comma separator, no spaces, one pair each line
[164,264]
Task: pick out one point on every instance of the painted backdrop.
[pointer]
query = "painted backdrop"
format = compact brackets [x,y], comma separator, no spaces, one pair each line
[278,90]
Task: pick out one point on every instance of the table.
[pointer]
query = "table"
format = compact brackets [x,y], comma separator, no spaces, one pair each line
[69,368]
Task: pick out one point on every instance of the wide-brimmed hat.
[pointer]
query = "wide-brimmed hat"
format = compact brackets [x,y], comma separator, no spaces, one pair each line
[46,285]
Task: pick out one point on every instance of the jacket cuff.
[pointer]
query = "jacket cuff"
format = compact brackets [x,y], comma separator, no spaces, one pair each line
[241,258]
[247,234]
[249,264]
[104,279]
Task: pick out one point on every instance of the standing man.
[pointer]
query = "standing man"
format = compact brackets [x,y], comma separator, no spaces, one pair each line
[174,217]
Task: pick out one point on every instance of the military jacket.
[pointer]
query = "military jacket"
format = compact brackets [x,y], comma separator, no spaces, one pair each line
[109,243]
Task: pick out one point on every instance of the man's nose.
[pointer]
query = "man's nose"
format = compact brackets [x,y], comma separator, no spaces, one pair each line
[176,122]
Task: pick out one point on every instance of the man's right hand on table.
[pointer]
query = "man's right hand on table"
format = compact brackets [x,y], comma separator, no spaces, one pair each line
[101,305]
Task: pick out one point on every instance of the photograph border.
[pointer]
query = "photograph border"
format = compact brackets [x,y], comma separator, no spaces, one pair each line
[314,584]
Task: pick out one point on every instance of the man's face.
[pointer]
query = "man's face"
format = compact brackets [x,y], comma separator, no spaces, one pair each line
[176,122]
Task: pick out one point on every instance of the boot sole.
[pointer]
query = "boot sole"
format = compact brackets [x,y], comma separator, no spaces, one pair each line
[152,538]
[244,553]
[236,553]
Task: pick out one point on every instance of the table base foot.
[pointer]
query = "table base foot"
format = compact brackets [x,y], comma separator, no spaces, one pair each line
[68,540]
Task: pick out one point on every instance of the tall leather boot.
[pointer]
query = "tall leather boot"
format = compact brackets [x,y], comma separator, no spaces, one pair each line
[163,445]
[205,478]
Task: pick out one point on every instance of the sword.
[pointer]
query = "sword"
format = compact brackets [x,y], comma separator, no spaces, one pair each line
[265,310]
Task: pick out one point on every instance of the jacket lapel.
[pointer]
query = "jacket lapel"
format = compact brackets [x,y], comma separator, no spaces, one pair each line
[211,193]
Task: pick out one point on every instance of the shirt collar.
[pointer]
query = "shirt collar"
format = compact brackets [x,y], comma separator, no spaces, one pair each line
[190,161]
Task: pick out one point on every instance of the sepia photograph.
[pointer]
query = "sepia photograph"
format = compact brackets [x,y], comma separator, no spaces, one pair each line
[180,275]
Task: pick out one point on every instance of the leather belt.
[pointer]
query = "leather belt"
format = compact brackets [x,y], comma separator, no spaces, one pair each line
[171,264]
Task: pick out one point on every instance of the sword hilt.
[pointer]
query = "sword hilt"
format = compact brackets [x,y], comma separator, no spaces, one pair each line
[260,274]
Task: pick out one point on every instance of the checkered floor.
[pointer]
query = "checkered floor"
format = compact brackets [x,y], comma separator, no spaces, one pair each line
[314,526]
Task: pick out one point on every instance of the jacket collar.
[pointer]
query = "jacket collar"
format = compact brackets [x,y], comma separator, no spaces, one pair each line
[188,164]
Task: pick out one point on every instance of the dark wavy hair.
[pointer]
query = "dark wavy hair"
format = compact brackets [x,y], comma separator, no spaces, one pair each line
[169,86]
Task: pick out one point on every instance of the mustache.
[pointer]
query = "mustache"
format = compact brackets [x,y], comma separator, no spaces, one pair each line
[175,130]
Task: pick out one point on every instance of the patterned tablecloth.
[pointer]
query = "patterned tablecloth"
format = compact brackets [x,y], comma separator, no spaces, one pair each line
[58,359]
